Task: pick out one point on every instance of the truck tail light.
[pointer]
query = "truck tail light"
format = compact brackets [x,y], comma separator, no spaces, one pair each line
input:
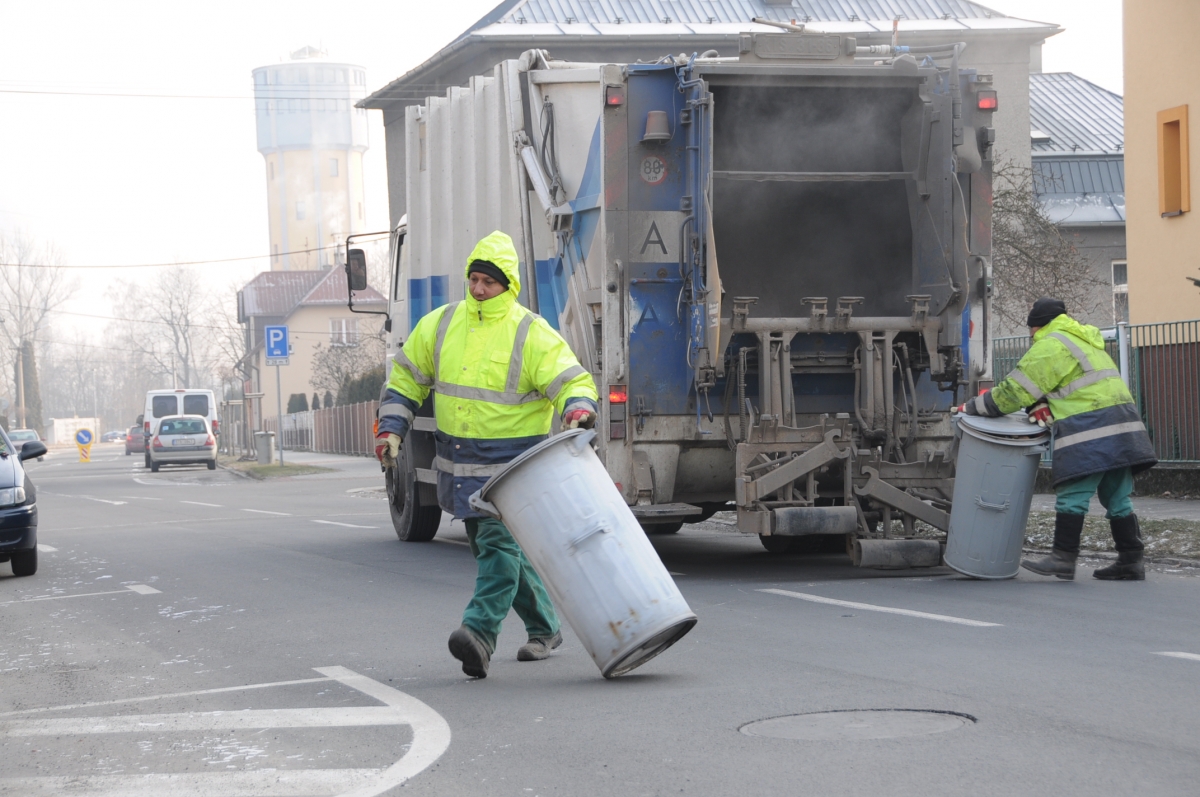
[614,96]
[986,100]
[618,394]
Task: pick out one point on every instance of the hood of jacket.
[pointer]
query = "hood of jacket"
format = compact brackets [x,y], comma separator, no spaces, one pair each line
[1064,323]
[497,248]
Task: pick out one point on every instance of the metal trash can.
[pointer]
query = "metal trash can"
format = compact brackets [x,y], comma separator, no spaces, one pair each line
[602,572]
[993,487]
[264,445]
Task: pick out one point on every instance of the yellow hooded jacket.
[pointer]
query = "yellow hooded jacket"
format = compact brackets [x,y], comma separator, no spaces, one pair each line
[499,372]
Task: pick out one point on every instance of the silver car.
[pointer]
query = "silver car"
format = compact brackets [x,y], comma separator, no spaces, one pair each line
[181,440]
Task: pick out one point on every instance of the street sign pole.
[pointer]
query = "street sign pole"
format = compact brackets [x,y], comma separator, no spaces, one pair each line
[279,410]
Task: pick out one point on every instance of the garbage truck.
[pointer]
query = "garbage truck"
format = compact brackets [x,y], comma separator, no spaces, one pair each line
[775,265]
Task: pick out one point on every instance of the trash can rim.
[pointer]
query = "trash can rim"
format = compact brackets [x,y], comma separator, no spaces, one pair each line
[1012,427]
[524,456]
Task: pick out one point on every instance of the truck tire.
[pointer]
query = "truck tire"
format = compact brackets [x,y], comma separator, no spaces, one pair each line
[664,528]
[776,544]
[413,521]
[24,563]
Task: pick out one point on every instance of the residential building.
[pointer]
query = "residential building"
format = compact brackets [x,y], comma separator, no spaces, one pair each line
[1007,47]
[313,306]
[312,138]
[1077,138]
[1163,232]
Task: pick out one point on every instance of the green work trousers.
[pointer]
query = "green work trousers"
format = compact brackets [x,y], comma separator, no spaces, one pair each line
[505,580]
[1113,487]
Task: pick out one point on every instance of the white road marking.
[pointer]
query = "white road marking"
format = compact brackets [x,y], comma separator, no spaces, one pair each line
[140,589]
[267,512]
[140,498]
[1178,655]
[867,607]
[347,525]
[430,739]
[673,573]
[200,503]
[89,498]
[46,548]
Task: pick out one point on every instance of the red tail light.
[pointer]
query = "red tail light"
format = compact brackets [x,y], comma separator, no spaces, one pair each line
[618,394]
[986,101]
[209,443]
[216,427]
[147,429]
[157,442]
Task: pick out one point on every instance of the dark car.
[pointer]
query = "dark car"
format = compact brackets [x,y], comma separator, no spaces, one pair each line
[135,441]
[18,506]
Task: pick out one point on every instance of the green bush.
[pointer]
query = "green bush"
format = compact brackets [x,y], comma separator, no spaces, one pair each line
[297,402]
[363,388]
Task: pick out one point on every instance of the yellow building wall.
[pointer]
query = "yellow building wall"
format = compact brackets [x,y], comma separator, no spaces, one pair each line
[1161,64]
[307,327]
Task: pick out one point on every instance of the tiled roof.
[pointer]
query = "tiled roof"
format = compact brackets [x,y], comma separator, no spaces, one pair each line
[332,290]
[1075,114]
[276,293]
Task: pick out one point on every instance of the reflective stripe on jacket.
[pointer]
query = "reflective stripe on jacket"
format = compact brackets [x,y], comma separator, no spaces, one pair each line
[499,371]
[1096,422]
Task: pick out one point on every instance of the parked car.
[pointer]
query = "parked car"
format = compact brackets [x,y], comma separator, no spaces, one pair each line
[180,440]
[112,437]
[20,437]
[181,401]
[135,440]
[18,505]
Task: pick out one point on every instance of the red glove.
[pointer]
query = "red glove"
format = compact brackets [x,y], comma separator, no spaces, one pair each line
[579,419]
[1040,414]
[387,446]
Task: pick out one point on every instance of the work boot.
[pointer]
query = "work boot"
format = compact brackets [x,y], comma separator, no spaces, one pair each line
[1061,561]
[539,647]
[1127,537]
[470,650]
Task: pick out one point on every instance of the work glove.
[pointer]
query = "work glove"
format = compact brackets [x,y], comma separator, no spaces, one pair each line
[387,448]
[1040,414]
[579,419]
[966,409]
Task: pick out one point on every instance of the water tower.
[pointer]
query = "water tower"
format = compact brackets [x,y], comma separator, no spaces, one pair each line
[313,140]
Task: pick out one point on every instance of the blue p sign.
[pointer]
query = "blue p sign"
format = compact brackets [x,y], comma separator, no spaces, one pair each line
[276,341]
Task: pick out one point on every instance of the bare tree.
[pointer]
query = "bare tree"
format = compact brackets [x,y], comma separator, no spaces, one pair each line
[1030,256]
[33,282]
[336,365]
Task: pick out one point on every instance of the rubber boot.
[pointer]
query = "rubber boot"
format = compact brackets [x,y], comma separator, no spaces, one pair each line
[1127,535]
[1061,561]
[538,648]
[470,650]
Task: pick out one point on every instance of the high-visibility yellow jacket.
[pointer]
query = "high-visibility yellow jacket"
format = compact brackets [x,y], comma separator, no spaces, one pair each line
[1096,426]
[499,373]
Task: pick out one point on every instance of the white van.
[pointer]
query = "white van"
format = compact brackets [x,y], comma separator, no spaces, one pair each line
[181,401]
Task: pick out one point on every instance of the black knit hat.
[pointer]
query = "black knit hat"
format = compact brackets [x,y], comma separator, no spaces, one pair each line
[490,269]
[1044,311]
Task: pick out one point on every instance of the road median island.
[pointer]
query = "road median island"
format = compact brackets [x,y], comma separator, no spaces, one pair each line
[253,470]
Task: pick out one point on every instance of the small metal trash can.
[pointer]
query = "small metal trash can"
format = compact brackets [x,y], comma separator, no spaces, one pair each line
[993,487]
[264,445]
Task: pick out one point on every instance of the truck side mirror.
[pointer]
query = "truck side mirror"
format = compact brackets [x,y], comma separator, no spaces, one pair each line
[356,269]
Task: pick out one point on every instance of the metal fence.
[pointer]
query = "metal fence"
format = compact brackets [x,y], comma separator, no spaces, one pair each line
[1161,365]
[337,430]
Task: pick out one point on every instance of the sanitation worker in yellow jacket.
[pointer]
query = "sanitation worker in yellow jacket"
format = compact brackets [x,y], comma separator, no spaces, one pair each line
[500,373]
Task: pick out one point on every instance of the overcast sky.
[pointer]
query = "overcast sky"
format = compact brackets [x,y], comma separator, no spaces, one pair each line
[133,180]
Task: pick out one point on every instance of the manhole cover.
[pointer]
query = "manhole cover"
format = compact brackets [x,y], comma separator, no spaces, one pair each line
[888,723]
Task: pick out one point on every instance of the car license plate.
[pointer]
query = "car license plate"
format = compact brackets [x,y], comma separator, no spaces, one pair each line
[183,441]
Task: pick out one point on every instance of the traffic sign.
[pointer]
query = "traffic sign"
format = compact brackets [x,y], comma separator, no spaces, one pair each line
[84,437]
[276,342]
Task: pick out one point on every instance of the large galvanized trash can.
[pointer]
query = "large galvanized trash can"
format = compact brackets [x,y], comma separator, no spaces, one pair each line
[993,487]
[603,574]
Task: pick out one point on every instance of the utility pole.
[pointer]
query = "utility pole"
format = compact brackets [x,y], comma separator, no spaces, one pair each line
[21,385]
[95,404]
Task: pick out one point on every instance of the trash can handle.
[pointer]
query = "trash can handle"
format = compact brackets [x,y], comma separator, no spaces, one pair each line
[589,533]
[581,442]
[994,507]
[483,507]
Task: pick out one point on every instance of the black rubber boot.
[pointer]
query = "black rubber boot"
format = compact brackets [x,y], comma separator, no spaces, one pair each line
[1061,561]
[1127,536]
[470,650]
[539,647]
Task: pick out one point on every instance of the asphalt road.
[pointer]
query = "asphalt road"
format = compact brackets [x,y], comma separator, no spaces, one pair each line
[194,632]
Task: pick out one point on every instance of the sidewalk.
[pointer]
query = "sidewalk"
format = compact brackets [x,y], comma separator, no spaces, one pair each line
[349,465]
[1146,508]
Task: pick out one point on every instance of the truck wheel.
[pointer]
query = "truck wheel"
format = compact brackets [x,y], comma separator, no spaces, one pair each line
[664,528]
[24,563]
[412,521]
[776,544]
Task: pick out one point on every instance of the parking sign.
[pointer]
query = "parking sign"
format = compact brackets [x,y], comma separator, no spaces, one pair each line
[276,344]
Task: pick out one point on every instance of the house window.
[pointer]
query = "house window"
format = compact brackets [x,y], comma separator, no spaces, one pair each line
[343,331]
[1120,283]
[333,167]
[299,210]
[1174,191]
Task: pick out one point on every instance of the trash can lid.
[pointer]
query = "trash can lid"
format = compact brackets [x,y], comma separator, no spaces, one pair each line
[1015,425]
